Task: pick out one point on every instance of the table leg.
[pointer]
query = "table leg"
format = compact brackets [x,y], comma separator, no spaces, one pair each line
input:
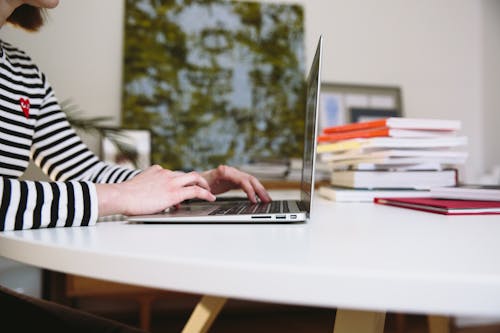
[347,321]
[439,324]
[204,314]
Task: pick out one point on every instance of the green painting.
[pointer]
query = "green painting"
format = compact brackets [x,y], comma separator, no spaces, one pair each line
[216,82]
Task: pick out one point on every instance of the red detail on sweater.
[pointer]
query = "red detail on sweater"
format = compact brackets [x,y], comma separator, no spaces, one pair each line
[25,106]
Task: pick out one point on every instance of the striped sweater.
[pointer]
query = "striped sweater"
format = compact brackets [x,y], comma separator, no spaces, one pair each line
[33,126]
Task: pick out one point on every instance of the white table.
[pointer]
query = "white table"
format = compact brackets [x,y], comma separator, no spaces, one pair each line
[365,257]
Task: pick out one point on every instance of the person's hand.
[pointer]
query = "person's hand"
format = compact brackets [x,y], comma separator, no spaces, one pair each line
[225,178]
[152,191]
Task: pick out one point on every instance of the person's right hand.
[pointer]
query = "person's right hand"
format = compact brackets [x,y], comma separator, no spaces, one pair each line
[152,191]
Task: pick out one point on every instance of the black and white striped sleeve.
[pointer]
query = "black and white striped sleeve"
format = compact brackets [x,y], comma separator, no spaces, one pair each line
[33,205]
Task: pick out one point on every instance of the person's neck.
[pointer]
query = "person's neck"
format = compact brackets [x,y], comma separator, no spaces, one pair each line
[7,7]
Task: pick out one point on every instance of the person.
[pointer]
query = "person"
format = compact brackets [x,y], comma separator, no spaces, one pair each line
[82,188]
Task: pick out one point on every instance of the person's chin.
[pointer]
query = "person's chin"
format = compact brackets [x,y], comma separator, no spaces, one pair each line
[52,3]
[48,4]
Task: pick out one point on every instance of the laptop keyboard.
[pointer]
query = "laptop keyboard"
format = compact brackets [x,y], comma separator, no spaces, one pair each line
[273,207]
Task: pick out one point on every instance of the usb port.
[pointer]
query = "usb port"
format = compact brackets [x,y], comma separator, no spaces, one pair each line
[293,217]
[280,217]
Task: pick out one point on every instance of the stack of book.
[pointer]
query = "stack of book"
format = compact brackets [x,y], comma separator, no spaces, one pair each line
[391,157]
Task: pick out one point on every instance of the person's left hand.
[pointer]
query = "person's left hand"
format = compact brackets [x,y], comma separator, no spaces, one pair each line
[225,178]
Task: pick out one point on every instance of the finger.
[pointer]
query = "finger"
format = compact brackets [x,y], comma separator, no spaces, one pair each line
[248,183]
[191,178]
[194,191]
[254,187]
[247,187]
[260,190]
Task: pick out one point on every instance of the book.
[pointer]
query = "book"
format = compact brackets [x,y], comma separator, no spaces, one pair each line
[389,153]
[391,167]
[383,179]
[468,192]
[342,194]
[381,132]
[444,206]
[388,142]
[401,123]
[389,162]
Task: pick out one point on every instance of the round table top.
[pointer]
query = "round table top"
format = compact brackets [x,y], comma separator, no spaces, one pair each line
[347,255]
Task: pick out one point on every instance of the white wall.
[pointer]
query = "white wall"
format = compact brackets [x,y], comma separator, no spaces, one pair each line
[433,49]
[491,81]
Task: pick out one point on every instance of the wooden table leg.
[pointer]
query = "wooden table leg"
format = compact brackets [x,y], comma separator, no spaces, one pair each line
[204,314]
[347,321]
[439,324]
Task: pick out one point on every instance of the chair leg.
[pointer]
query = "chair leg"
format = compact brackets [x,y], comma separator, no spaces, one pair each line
[347,321]
[204,314]
[145,312]
[400,321]
[439,324]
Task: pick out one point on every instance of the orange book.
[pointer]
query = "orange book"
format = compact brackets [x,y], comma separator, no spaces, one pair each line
[370,133]
[382,132]
[400,123]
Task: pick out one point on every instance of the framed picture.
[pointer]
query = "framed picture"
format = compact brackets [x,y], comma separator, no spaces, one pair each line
[345,103]
[366,114]
[198,74]
[127,147]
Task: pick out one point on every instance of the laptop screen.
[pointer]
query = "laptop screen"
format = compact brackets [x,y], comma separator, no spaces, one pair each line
[311,128]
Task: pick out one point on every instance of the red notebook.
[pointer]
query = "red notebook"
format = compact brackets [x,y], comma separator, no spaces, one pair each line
[444,206]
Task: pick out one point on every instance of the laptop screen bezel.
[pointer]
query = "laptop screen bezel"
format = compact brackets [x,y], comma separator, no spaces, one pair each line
[310,139]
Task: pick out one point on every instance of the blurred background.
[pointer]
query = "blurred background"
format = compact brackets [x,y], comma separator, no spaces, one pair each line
[443,54]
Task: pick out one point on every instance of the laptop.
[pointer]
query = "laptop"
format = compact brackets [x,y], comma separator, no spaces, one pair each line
[243,211]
